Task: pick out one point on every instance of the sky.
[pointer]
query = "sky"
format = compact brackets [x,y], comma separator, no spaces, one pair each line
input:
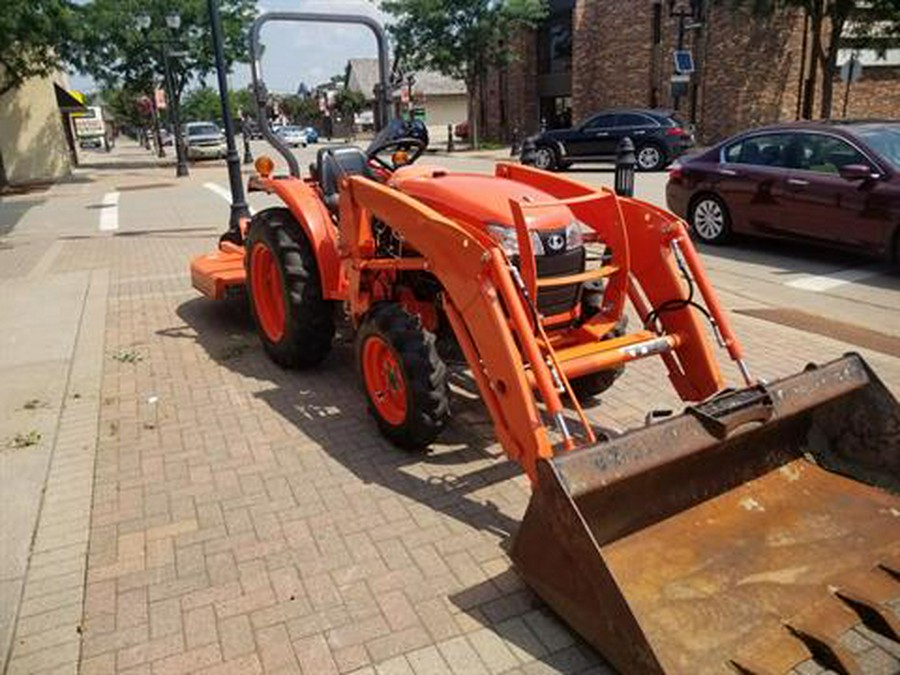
[296,52]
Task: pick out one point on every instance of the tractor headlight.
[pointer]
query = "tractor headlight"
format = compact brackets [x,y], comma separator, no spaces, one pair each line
[574,235]
[509,241]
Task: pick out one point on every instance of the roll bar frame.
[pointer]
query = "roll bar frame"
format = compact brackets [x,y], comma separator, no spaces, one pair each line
[261,94]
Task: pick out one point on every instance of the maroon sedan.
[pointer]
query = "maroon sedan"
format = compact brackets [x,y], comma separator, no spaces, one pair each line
[835,183]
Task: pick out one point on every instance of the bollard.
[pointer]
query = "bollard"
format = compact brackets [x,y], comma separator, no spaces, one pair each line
[514,145]
[449,138]
[624,184]
[248,156]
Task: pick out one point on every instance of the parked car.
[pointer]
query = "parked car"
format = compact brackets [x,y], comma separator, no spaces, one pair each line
[833,183]
[293,136]
[204,141]
[659,137]
[312,136]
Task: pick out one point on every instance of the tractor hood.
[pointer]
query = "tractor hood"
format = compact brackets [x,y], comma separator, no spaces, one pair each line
[478,199]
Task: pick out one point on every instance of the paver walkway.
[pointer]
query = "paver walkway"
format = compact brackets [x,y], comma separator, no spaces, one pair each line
[247,519]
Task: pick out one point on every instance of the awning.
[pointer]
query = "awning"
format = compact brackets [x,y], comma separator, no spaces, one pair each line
[69,100]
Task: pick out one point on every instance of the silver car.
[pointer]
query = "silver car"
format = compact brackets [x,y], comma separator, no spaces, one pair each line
[293,136]
[204,140]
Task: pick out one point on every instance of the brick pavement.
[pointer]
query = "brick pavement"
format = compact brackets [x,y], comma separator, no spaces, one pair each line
[246,519]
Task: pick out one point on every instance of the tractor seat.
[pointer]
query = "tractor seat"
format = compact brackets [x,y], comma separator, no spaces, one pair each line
[334,163]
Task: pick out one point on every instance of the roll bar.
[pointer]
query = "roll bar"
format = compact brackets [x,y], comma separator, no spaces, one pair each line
[261,95]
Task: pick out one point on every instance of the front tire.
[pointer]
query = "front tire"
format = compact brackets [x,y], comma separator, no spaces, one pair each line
[294,321]
[545,158]
[404,378]
[710,220]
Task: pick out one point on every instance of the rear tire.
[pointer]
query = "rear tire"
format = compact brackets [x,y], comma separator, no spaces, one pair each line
[404,378]
[650,157]
[710,220]
[294,321]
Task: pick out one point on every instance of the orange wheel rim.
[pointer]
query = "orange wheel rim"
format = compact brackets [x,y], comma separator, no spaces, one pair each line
[384,380]
[268,293]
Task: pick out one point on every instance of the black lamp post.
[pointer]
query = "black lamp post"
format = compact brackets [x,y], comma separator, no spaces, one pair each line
[173,21]
[239,210]
[143,21]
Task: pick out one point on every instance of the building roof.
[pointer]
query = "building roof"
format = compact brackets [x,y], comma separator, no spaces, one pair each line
[362,76]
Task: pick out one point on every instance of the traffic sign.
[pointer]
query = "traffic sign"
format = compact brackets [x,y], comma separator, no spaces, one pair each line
[684,61]
[852,70]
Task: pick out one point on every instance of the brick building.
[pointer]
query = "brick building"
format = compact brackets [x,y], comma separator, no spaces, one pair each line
[593,54]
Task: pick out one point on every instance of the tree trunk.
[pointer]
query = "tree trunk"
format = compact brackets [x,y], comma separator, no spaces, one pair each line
[3,180]
[829,68]
[815,24]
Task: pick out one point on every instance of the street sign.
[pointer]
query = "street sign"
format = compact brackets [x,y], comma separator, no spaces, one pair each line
[681,77]
[684,61]
[852,70]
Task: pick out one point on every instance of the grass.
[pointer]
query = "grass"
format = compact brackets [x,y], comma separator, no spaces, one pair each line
[25,440]
[127,355]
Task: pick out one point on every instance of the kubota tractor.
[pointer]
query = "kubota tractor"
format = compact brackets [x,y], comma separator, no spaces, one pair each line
[748,534]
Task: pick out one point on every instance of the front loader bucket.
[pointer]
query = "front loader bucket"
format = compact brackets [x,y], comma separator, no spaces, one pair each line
[746,535]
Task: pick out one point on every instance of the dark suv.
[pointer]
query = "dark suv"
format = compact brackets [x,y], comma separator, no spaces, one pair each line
[658,135]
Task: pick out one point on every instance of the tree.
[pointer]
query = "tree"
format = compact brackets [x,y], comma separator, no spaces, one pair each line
[833,25]
[459,38]
[202,105]
[348,103]
[110,46]
[35,36]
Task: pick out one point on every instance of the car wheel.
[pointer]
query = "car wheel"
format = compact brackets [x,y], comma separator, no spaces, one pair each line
[710,221]
[545,158]
[650,158]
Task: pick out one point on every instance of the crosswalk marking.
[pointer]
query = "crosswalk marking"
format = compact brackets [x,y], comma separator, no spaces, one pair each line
[222,192]
[818,283]
[109,212]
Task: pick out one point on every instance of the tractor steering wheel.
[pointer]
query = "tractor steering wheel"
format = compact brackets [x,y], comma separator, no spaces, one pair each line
[414,146]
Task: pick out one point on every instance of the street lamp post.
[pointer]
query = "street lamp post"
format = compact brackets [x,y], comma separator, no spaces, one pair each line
[173,21]
[143,21]
[239,209]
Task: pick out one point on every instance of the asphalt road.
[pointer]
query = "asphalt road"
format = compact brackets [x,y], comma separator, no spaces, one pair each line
[841,287]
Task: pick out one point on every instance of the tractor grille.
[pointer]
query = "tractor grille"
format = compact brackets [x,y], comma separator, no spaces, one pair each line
[559,299]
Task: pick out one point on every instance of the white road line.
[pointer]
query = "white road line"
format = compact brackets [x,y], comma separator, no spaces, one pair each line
[818,283]
[222,192]
[109,212]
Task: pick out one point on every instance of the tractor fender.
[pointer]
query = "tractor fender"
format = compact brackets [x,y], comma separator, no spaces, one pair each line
[305,204]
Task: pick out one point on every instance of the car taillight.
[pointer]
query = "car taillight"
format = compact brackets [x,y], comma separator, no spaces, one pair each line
[676,174]
[676,131]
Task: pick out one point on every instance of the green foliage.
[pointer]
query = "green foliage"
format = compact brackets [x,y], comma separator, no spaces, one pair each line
[35,35]
[110,46]
[459,38]
[121,104]
[202,105]
[834,24]
[348,103]
[300,109]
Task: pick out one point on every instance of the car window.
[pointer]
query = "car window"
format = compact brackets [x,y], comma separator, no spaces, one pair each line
[885,141]
[821,153]
[762,150]
[633,120]
[601,122]
[202,129]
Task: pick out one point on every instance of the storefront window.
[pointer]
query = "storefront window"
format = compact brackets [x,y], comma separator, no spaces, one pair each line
[555,44]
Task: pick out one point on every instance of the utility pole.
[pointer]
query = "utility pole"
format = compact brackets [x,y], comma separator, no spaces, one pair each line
[239,209]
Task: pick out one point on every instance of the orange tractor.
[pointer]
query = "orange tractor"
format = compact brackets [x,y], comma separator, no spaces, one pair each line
[748,534]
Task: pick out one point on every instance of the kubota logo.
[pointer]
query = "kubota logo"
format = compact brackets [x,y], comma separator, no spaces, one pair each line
[556,242]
